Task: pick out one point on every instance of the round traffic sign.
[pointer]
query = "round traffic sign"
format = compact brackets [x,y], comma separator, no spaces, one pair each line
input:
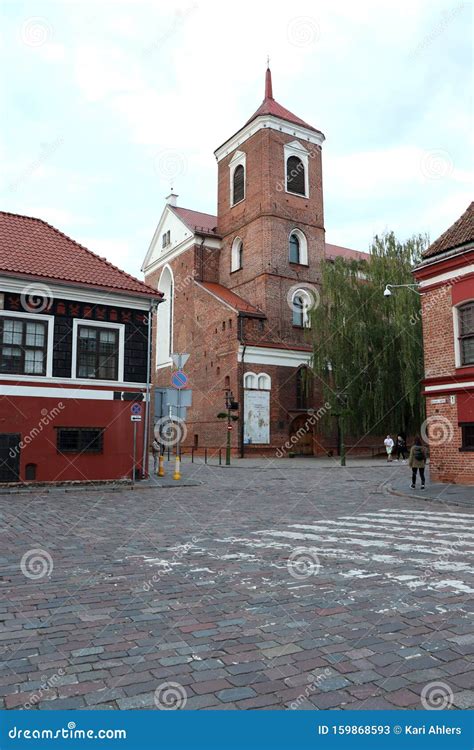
[179,379]
[136,409]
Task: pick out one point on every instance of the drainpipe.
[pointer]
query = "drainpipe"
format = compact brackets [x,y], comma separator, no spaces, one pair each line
[153,306]
[201,260]
[240,371]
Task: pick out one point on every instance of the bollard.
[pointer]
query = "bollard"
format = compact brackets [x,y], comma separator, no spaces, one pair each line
[161,465]
[220,458]
[205,455]
[177,473]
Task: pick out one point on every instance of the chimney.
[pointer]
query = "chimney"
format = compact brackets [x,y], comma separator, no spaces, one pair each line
[172,199]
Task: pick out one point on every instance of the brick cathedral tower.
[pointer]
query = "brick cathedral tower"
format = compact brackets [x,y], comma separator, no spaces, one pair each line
[238,288]
[270,211]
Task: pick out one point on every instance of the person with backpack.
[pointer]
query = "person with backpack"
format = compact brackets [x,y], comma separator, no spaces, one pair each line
[417,462]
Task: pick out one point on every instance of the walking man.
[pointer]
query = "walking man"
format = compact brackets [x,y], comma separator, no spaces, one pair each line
[388,442]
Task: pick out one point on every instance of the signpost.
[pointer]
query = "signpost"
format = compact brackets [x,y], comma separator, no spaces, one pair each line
[135,416]
[179,380]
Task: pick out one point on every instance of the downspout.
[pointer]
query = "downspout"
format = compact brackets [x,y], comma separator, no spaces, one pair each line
[240,371]
[201,260]
[145,458]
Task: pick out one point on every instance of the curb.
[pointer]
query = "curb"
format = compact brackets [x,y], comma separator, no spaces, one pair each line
[389,489]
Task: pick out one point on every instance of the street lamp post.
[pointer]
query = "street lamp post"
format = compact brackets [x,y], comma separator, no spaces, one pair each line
[230,406]
[341,399]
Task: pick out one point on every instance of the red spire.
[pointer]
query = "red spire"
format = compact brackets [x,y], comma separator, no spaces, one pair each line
[268,84]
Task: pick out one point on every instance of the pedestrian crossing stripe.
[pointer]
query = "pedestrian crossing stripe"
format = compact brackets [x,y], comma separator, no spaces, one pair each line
[447,549]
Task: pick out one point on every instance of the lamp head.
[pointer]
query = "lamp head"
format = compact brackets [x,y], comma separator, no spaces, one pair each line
[387,292]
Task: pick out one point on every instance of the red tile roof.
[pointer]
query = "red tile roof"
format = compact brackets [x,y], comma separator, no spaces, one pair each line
[460,233]
[196,220]
[231,299]
[33,248]
[336,251]
[271,107]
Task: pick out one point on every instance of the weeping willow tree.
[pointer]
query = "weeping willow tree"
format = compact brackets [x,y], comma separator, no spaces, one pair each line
[368,348]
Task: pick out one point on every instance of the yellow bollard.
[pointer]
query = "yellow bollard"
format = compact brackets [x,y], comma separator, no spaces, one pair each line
[177,474]
[161,466]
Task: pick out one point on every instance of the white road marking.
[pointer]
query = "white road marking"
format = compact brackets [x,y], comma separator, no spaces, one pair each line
[359,537]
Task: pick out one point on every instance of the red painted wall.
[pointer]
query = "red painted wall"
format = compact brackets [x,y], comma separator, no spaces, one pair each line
[36,419]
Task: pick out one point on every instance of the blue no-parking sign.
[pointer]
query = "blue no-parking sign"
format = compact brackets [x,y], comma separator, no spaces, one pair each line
[136,409]
[179,379]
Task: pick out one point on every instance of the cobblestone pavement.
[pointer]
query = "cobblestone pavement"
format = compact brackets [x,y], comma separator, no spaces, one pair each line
[295,587]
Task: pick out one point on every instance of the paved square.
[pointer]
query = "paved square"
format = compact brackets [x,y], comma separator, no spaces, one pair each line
[288,586]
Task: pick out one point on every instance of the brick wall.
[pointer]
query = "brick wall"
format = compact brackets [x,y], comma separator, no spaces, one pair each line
[448,463]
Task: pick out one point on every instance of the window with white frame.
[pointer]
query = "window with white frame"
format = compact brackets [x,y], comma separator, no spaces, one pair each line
[260,381]
[166,239]
[98,350]
[298,247]
[237,169]
[301,304]
[250,380]
[296,169]
[25,345]
[466,333]
[237,255]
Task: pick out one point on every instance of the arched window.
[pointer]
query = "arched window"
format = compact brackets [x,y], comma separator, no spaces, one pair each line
[264,382]
[302,384]
[164,327]
[294,248]
[301,304]
[298,247]
[237,255]
[295,176]
[261,382]
[250,380]
[466,333]
[238,184]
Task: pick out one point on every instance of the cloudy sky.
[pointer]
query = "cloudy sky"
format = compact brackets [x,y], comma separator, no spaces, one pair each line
[106,104]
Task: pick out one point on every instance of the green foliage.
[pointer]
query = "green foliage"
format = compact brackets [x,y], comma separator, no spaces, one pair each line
[369,347]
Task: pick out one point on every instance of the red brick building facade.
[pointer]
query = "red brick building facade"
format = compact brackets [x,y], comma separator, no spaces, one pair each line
[239,286]
[74,359]
[446,278]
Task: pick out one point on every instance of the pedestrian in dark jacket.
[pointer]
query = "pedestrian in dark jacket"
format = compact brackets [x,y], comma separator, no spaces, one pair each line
[417,462]
[401,448]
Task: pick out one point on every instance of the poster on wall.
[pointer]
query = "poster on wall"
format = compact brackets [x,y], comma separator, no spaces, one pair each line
[256,417]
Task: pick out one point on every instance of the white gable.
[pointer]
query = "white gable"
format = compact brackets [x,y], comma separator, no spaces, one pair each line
[179,234]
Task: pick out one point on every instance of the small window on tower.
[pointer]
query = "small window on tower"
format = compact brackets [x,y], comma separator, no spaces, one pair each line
[238,184]
[237,255]
[295,176]
[301,305]
[298,248]
[294,249]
